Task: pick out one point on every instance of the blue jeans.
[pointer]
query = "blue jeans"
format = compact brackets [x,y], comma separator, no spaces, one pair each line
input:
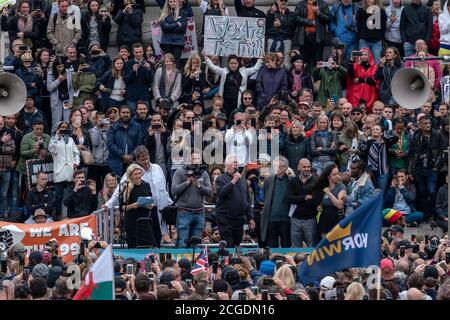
[4,185]
[409,48]
[426,191]
[414,217]
[13,191]
[382,182]
[189,224]
[319,165]
[211,93]
[348,51]
[375,48]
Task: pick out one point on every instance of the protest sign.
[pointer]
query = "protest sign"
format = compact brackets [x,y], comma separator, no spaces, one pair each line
[35,236]
[5,3]
[34,166]
[190,38]
[243,37]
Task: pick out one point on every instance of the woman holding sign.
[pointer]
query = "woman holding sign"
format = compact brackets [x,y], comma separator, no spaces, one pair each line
[138,224]
[173,25]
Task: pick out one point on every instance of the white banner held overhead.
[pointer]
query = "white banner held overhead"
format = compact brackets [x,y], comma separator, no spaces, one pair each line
[243,37]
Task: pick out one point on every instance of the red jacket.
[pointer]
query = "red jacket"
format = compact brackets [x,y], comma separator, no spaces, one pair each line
[435,35]
[363,90]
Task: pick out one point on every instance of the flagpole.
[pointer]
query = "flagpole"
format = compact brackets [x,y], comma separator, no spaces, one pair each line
[379,284]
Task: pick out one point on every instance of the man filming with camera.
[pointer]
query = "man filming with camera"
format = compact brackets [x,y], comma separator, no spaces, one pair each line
[191,184]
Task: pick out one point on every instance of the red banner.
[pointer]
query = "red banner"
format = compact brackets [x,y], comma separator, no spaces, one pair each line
[66,232]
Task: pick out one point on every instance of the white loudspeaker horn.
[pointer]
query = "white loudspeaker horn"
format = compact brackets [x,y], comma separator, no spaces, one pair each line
[410,88]
[13,94]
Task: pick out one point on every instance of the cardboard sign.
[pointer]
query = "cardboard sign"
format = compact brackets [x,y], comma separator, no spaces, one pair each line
[34,167]
[190,38]
[35,236]
[243,37]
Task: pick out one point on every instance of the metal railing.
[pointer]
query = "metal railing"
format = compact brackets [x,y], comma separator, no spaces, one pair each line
[105,223]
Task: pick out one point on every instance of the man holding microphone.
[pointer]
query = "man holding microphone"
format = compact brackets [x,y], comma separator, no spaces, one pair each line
[233,205]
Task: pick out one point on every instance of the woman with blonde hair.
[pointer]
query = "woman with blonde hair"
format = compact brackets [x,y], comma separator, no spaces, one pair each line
[323,145]
[177,144]
[297,145]
[284,273]
[193,81]
[355,291]
[173,25]
[138,222]
[347,146]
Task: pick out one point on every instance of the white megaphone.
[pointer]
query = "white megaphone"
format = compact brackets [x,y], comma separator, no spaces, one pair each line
[410,88]
[13,93]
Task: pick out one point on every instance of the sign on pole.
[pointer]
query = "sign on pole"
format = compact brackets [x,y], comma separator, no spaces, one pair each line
[243,37]
[190,38]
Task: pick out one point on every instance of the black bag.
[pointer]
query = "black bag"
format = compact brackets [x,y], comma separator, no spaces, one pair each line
[169,213]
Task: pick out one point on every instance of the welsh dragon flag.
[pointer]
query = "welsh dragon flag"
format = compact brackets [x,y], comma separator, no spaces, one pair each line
[99,282]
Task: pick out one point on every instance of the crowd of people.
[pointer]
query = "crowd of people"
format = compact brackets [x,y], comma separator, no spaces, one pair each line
[272,150]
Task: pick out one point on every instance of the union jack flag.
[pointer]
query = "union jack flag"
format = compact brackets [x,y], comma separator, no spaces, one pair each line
[201,264]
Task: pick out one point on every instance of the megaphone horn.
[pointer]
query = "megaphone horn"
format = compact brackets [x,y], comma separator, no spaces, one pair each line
[13,93]
[410,88]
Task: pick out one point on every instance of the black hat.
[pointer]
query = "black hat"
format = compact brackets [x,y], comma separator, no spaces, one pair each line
[296,57]
[198,102]
[396,228]
[357,109]
[404,243]
[221,116]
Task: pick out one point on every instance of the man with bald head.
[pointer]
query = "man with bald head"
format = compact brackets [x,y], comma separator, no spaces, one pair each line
[421,45]
[346,111]
[301,194]
[415,294]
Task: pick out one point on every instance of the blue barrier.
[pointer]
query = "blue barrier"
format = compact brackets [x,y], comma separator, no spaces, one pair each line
[139,254]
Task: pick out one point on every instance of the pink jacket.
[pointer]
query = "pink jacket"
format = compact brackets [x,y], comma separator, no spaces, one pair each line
[432,63]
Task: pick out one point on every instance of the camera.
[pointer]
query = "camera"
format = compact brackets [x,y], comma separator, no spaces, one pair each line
[357,53]
[315,3]
[156,126]
[51,52]
[264,294]
[242,295]
[23,48]
[235,260]
[325,64]
[215,265]
[447,258]
[64,132]
[104,122]
[238,122]
[195,170]
[95,52]
[268,282]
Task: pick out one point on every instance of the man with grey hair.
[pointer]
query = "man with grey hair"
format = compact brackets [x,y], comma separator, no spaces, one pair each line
[275,224]
[233,203]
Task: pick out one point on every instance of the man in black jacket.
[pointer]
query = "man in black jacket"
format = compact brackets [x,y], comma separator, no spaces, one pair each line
[300,194]
[423,153]
[40,197]
[233,205]
[416,22]
[311,18]
[81,199]
[280,29]
[156,142]
[246,8]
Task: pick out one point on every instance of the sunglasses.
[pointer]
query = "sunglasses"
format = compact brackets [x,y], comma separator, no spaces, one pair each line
[356,113]
[247,98]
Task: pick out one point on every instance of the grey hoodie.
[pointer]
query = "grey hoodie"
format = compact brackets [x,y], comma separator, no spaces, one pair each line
[393,29]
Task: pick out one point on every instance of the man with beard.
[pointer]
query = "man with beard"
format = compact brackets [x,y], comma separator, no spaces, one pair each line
[123,138]
[303,116]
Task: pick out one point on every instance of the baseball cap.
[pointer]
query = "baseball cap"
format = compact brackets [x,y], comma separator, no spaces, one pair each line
[386,265]
[303,103]
[397,229]
[221,116]
[327,283]
[267,267]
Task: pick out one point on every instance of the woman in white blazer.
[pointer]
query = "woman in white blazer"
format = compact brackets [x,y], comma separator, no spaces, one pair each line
[233,80]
